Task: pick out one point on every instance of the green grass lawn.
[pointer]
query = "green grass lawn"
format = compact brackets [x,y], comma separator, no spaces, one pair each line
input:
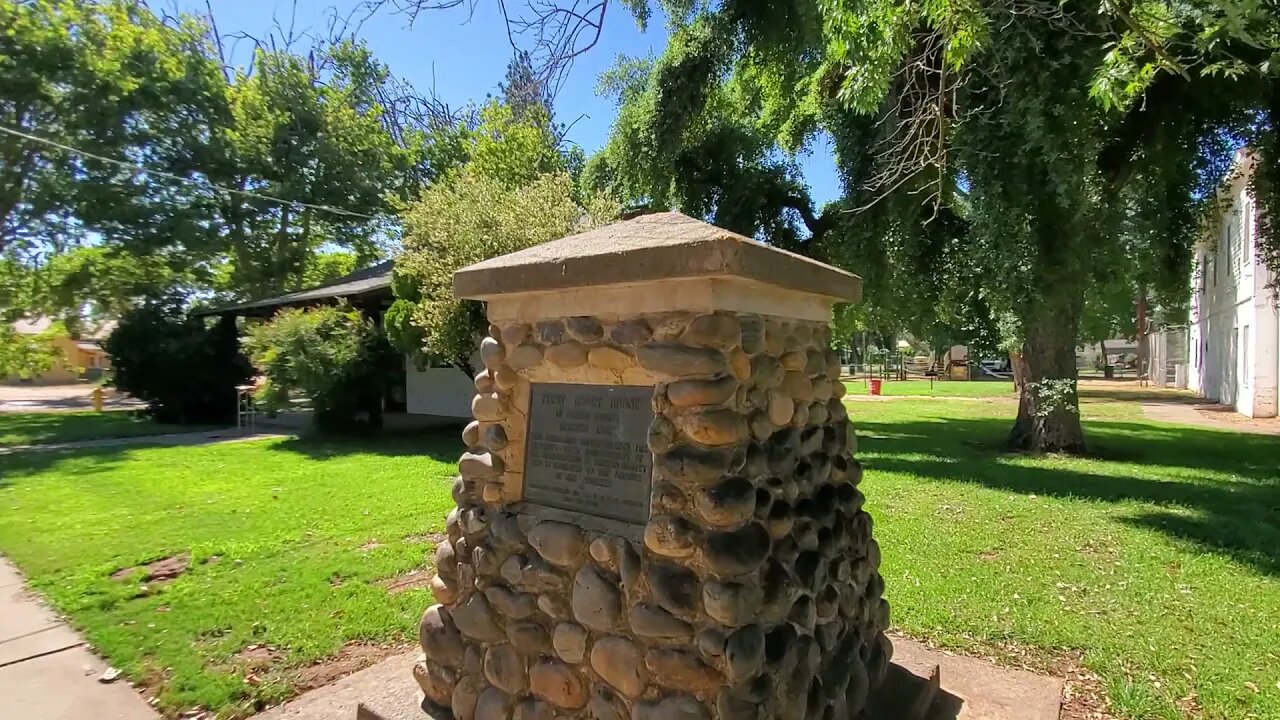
[1156,565]
[287,541]
[938,388]
[57,427]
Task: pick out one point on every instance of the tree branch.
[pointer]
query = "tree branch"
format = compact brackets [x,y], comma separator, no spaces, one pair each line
[817,224]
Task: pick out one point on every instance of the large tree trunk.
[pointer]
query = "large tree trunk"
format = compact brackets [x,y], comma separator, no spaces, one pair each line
[1019,368]
[1048,405]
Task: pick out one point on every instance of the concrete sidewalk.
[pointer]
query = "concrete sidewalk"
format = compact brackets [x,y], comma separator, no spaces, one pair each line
[47,672]
[1209,415]
[204,437]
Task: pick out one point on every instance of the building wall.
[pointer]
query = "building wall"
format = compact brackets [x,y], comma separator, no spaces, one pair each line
[443,391]
[1233,335]
[72,364]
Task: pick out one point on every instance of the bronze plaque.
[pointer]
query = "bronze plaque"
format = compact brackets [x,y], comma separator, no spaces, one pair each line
[587,449]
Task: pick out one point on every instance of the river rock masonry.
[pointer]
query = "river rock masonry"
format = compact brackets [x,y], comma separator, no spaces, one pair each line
[702,554]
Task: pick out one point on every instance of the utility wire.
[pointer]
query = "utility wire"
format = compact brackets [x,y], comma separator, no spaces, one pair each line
[140,168]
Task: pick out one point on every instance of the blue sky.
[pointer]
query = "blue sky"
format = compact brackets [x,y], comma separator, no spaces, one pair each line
[464,56]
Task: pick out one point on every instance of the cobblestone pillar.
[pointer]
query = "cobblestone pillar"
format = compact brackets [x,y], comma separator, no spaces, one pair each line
[749,586]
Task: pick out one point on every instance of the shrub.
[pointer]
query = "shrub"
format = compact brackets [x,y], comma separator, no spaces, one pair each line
[186,369]
[467,219]
[27,356]
[333,355]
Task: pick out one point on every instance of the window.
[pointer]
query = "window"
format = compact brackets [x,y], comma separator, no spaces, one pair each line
[1245,369]
[1234,253]
[1246,231]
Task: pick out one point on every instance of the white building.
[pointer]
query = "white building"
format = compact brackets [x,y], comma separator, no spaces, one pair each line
[1234,346]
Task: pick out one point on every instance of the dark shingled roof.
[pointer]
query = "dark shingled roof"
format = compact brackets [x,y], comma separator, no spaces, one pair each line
[651,247]
[361,282]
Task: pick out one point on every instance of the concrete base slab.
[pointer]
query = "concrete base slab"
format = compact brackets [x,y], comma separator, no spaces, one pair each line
[391,679]
[404,703]
[923,684]
[975,689]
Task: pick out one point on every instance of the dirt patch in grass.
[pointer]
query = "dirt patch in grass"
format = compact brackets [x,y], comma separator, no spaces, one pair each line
[408,581]
[1083,697]
[257,657]
[353,657]
[159,571]
[434,538]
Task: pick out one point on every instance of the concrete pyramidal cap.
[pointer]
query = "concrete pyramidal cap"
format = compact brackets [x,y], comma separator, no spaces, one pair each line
[658,246]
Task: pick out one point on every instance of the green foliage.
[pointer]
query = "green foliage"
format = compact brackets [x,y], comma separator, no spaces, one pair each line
[511,194]
[185,368]
[997,159]
[524,93]
[311,131]
[328,129]
[470,218]
[26,356]
[331,354]
[1223,38]
[109,77]
[1264,186]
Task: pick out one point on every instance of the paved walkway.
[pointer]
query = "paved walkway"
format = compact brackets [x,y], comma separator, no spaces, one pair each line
[207,437]
[55,398]
[1209,415]
[46,671]
[390,681]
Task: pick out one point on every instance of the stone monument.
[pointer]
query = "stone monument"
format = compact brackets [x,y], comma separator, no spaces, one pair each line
[658,514]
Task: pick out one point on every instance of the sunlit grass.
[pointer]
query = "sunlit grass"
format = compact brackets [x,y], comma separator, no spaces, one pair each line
[287,540]
[1155,563]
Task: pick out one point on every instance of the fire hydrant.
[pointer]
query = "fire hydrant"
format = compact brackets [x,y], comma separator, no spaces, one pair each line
[97,399]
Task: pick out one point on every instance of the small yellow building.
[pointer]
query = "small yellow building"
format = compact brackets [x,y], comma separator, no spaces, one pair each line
[81,358]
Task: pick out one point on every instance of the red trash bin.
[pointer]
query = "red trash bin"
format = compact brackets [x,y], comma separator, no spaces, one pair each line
[875,387]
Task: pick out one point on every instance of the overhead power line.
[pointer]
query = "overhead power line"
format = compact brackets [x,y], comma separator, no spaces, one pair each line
[135,167]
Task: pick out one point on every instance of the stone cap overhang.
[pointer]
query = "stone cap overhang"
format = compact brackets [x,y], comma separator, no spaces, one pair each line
[667,246]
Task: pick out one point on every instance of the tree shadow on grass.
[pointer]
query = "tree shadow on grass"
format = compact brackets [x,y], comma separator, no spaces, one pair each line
[442,444]
[1237,497]
[15,466]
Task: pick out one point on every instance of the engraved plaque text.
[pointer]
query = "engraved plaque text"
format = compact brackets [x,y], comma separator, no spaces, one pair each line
[587,449]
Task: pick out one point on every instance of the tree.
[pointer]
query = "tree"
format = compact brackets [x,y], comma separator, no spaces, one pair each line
[512,193]
[523,92]
[25,356]
[109,78]
[135,164]
[185,368]
[309,132]
[112,81]
[333,355]
[993,151]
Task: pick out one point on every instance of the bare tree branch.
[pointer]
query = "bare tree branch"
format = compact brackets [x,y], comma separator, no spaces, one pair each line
[554,32]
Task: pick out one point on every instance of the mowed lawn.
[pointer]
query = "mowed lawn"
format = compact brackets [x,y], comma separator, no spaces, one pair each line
[934,388]
[1156,564]
[36,428]
[288,542]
